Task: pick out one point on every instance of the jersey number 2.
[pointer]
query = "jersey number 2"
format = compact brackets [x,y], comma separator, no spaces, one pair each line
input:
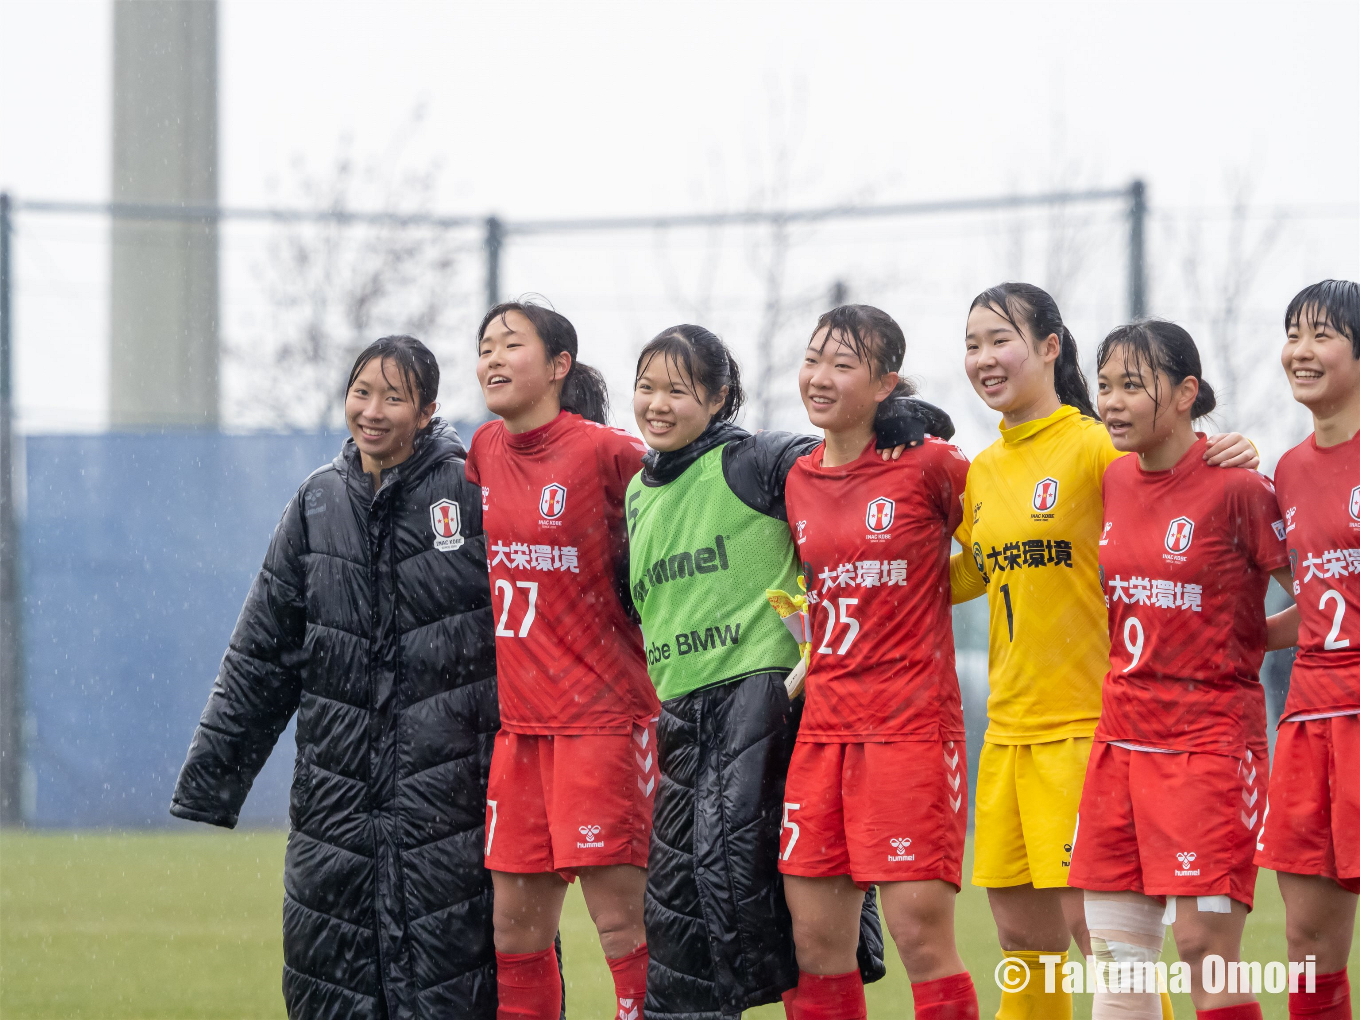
[1335,633]
[503,588]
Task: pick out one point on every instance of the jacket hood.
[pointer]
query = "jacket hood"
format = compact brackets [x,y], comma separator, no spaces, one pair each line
[436,443]
[659,468]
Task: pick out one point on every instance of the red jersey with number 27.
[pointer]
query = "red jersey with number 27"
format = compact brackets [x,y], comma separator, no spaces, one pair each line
[568,658]
[1185,559]
[1319,490]
[874,538]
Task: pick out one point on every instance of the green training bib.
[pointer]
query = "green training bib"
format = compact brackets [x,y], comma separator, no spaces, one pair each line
[699,563]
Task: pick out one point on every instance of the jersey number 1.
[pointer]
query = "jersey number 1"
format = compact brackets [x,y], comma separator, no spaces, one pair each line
[503,588]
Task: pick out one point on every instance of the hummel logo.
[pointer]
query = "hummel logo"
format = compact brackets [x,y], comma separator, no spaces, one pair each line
[1185,859]
[589,832]
[900,844]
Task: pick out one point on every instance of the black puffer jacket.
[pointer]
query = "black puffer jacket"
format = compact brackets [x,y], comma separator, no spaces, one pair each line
[382,643]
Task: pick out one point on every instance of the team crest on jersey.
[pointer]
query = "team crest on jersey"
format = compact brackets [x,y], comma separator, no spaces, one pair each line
[878,517]
[1178,534]
[1355,503]
[447,524]
[1045,495]
[552,501]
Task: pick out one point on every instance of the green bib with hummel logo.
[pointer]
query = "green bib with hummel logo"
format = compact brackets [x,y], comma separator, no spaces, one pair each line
[700,561]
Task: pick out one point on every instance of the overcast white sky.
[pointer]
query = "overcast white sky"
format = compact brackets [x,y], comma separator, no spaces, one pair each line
[568,108]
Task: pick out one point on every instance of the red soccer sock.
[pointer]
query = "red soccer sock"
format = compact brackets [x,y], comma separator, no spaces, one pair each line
[630,982]
[829,997]
[528,985]
[1242,1011]
[1330,1001]
[946,998]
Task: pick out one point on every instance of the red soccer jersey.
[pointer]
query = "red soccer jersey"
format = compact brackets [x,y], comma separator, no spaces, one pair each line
[568,658]
[874,538]
[1319,490]
[1185,559]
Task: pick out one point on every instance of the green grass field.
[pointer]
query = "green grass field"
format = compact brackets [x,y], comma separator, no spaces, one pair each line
[187,925]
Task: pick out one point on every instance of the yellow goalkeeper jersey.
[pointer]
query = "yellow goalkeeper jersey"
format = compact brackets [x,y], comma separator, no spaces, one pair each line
[1031,528]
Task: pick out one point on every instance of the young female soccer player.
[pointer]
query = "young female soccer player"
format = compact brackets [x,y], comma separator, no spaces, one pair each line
[708,535]
[883,712]
[1176,780]
[369,620]
[1031,524]
[572,774]
[1311,832]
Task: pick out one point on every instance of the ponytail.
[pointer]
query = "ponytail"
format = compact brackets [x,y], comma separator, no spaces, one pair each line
[1040,312]
[583,389]
[702,360]
[1068,378]
[584,393]
[1163,348]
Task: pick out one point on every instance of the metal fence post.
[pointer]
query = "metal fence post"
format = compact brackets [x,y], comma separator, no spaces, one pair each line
[11,680]
[495,238]
[1137,250]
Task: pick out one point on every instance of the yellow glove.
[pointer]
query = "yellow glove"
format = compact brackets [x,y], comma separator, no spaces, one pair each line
[792,609]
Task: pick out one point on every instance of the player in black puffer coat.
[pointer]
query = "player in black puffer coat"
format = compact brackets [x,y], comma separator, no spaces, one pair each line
[371,620]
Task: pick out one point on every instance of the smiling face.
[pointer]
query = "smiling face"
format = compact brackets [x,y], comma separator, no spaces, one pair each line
[1006,367]
[1321,366]
[1140,409]
[383,413]
[516,375]
[671,411]
[839,389]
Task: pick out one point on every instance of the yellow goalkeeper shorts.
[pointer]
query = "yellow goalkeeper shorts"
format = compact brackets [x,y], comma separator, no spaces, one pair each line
[1025,813]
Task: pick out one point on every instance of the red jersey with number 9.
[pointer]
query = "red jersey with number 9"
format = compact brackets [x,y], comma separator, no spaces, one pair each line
[568,658]
[874,538]
[1185,559]
[1319,490]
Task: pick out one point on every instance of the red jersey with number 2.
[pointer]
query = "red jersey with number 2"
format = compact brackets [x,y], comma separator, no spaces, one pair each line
[568,658]
[874,539]
[1185,558]
[1319,490]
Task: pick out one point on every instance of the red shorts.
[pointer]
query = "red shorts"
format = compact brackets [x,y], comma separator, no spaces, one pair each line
[1312,824]
[876,812]
[560,803]
[1182,823]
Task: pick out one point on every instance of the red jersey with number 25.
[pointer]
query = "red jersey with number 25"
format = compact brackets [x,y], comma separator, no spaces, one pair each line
[874,539]
[568,658]
[1185,559]
[1319,490]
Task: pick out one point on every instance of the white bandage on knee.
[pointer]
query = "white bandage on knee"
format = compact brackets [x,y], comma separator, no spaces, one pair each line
[1205,904]
[1126,941]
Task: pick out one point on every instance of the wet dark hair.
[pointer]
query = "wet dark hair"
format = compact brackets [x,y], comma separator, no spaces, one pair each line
[873,335]
[1036,306]
[583,390]
[1334,303]
[702,360]
[1160,347]
[419,370]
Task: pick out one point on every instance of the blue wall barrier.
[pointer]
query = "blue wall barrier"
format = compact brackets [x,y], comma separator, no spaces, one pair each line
[138,551]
